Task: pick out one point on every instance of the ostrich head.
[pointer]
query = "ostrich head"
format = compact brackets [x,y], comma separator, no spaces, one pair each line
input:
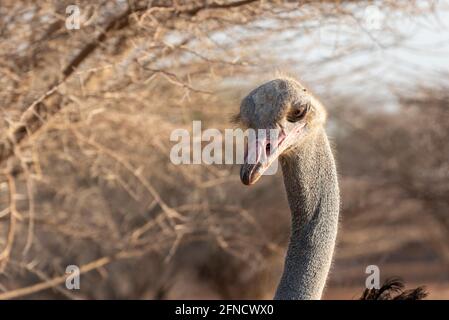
[282,104]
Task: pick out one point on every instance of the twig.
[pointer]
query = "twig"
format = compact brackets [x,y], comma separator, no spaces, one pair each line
[171,213]
[55,281]
[13,215]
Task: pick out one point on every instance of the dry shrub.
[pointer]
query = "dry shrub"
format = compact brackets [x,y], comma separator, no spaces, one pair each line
[85,144]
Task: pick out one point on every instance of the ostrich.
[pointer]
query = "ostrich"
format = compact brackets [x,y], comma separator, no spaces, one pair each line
[310,179]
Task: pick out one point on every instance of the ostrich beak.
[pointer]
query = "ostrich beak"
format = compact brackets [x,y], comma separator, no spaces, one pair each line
[263,150]
[260,153]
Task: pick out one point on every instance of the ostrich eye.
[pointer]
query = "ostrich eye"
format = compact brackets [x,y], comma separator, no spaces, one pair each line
[297,114]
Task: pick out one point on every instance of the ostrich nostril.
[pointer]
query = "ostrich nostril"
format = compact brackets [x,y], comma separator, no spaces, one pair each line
[268,148]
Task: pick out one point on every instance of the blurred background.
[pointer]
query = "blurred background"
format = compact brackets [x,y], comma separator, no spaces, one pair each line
[86,116]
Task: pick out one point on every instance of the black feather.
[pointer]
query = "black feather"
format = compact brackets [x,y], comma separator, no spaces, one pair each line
[393,289]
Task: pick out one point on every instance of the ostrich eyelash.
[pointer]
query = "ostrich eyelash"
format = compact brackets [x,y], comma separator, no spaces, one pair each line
[236,119]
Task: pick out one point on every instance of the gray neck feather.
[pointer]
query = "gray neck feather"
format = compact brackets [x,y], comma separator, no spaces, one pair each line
[310,179]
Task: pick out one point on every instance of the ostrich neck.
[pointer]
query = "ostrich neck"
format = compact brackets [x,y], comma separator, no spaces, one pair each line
[310,179]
